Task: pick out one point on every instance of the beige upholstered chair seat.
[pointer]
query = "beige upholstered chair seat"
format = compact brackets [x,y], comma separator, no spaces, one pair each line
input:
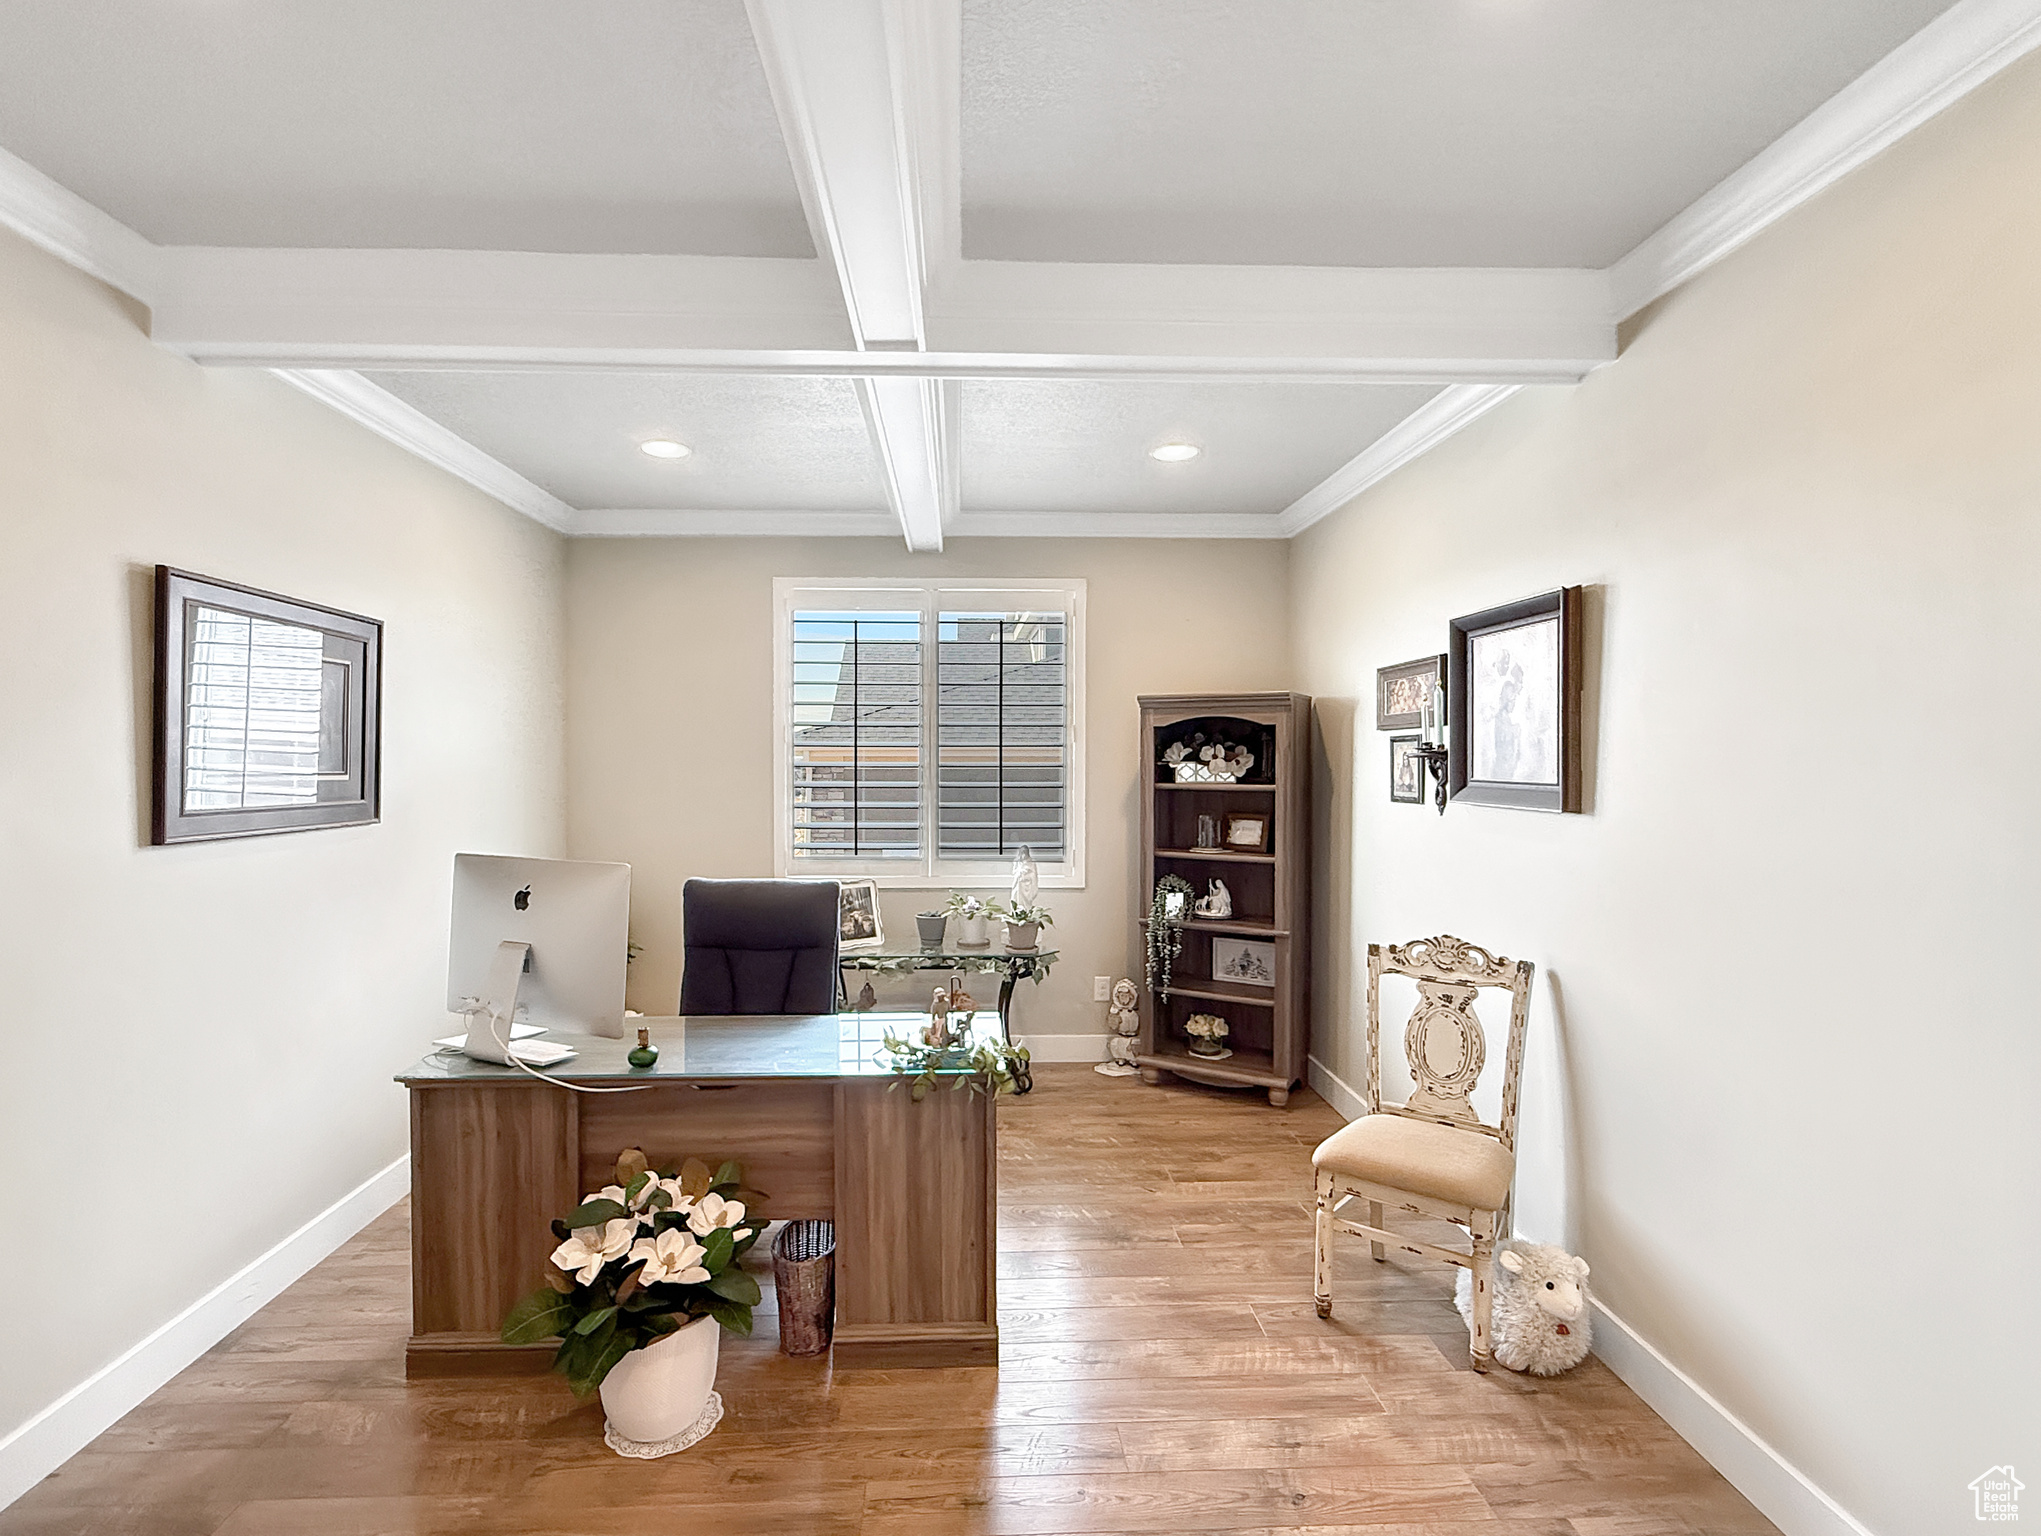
[1460,1168]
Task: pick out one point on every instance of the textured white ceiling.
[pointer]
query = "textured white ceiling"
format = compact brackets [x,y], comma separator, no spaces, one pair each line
[1381,132]
[760,444]
[626,126]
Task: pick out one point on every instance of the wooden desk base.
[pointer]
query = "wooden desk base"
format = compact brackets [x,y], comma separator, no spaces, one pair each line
[910,1187]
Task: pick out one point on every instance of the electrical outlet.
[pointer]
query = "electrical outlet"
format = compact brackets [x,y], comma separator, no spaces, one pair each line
[1101,989]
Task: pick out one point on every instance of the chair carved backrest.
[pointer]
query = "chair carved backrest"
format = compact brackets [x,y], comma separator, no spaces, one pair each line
[1443,1042]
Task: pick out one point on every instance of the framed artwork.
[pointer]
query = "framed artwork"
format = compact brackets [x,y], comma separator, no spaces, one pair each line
[1402,691]
[858,926]
[1513,704]
[1249,962]
[1406,770]
[1247,832]
[268,713]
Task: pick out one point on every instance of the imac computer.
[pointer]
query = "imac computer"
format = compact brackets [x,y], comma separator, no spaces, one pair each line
[540,942]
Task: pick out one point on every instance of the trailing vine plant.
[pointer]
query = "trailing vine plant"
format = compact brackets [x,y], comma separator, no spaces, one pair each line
[1165,931]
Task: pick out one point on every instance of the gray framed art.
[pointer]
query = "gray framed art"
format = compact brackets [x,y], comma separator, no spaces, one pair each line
[1402,691]
[1513,704]
[268,713]
[1406,770]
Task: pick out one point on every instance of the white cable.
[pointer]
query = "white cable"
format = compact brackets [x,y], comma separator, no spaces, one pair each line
[546,1077]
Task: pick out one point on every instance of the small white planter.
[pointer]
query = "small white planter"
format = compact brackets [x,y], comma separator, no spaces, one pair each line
[661,1399]
[974,932]
[1023,935]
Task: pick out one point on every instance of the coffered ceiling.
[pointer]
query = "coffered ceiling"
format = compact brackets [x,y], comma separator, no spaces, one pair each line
[923,268]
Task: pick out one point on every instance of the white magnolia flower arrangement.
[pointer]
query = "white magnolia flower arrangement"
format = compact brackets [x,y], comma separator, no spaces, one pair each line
[638,1259]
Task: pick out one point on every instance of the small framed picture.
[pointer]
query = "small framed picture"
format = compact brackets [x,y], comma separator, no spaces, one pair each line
[1406,770]
[857,922]
[1247,833]
[1250,962]
[1401,692]
[1513,704]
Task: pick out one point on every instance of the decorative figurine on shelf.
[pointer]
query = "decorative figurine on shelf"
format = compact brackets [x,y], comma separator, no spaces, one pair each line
[1208,1034]
[1027,880]
[938,1032]
[1216,902]
[944,1030]
[867,999]
[644,1053]
[1125,1018]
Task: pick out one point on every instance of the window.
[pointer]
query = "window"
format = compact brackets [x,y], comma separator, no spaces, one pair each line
[927,731]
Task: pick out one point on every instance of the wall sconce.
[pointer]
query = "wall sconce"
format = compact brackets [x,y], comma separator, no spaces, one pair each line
[1431,749]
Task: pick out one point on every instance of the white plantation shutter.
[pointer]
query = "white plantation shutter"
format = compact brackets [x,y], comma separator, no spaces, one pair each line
[1002,735]
[931,730]
[855,697]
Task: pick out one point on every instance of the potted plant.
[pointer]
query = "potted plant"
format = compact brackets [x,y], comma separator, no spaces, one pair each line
[974,920]
[1024,925]
[645,1279]
[928,928]
[1208,1035]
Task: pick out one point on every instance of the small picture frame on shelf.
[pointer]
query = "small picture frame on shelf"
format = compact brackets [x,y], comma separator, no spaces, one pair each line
[1247,832]
[1402,691]
[1247,962]
[858,925]
[1406,770]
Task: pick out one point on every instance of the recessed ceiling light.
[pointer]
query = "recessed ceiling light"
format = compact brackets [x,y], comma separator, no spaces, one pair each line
[664,448]
[1175,453]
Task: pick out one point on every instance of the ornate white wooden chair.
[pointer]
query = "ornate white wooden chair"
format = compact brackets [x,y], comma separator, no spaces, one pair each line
[1431,1154]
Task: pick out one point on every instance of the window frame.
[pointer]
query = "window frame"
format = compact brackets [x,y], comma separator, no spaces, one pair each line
[928,596]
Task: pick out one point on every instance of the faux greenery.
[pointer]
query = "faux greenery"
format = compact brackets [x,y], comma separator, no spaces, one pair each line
[1165,933]
[907,965]
[921,1064]
[1013,913]
[960,905]
[637,1260]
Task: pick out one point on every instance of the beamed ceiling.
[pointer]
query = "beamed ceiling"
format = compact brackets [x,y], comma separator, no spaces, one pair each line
[922,268]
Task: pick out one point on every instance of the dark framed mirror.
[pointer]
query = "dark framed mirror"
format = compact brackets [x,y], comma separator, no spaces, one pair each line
[268,713]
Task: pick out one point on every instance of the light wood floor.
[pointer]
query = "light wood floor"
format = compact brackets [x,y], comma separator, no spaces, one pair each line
[1161,1372]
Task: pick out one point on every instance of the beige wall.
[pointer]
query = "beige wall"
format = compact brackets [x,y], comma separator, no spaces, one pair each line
[1786,1079]
[670,737]
[199,1040]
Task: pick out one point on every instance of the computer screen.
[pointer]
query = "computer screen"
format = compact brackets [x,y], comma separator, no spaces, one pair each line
[574,913]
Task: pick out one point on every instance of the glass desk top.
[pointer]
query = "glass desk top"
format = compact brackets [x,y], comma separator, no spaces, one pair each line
[939,959]
[761,1045]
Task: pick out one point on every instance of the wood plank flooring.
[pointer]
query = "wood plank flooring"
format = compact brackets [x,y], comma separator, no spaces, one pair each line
[1162,1371]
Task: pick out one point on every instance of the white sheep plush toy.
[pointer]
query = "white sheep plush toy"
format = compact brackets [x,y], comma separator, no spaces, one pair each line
[1539,1319]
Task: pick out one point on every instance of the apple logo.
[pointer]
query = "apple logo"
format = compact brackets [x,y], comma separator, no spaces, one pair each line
[522,900]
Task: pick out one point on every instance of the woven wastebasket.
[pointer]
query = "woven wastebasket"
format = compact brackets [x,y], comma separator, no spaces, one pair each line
[804,1276]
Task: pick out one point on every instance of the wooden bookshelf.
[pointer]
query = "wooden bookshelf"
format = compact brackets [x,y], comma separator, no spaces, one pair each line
[1269,1026]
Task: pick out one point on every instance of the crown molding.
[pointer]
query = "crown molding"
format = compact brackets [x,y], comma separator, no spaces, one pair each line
[1947,59]
[406,426]
[681,523]
[73,230]
[1418,433]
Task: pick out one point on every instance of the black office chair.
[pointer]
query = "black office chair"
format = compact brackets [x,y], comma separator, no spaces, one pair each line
[759,946]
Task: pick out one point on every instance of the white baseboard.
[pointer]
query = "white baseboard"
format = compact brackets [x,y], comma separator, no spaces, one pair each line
[1786,1495]
[1334,1089]
[37,1448]
[1065,1047]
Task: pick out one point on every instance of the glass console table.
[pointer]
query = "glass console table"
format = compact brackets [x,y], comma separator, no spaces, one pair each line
[1012,966]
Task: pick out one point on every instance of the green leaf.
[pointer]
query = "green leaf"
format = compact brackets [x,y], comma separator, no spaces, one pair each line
[731,1172]
[733,1317]
[637,1185]
[718,1245]
[596,1319]
[593,1214]
[543,1314]
[734,1284]
[598,1364]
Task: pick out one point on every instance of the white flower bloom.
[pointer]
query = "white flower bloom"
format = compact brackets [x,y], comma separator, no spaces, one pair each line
[682,1202]
[713,1211]
[670,1258]
[587,1249]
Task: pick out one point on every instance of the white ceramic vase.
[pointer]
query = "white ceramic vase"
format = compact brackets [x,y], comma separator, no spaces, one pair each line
[974,932]
[658,1394]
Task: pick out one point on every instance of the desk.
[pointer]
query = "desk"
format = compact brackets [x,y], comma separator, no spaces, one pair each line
[817,1123]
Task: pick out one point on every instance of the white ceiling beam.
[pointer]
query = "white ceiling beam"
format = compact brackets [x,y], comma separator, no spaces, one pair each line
[684,522]
[843,76]
[1418,433]
[73,230]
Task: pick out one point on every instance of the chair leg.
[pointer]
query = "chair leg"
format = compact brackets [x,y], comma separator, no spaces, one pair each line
[1480,1347]
[1321,1261]
[1376,1250]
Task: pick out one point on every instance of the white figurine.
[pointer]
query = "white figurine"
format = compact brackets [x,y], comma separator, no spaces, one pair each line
[1216,902]
[1125,1017]
[1027,880]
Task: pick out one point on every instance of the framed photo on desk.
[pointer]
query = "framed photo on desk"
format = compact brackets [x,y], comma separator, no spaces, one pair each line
[858,925]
